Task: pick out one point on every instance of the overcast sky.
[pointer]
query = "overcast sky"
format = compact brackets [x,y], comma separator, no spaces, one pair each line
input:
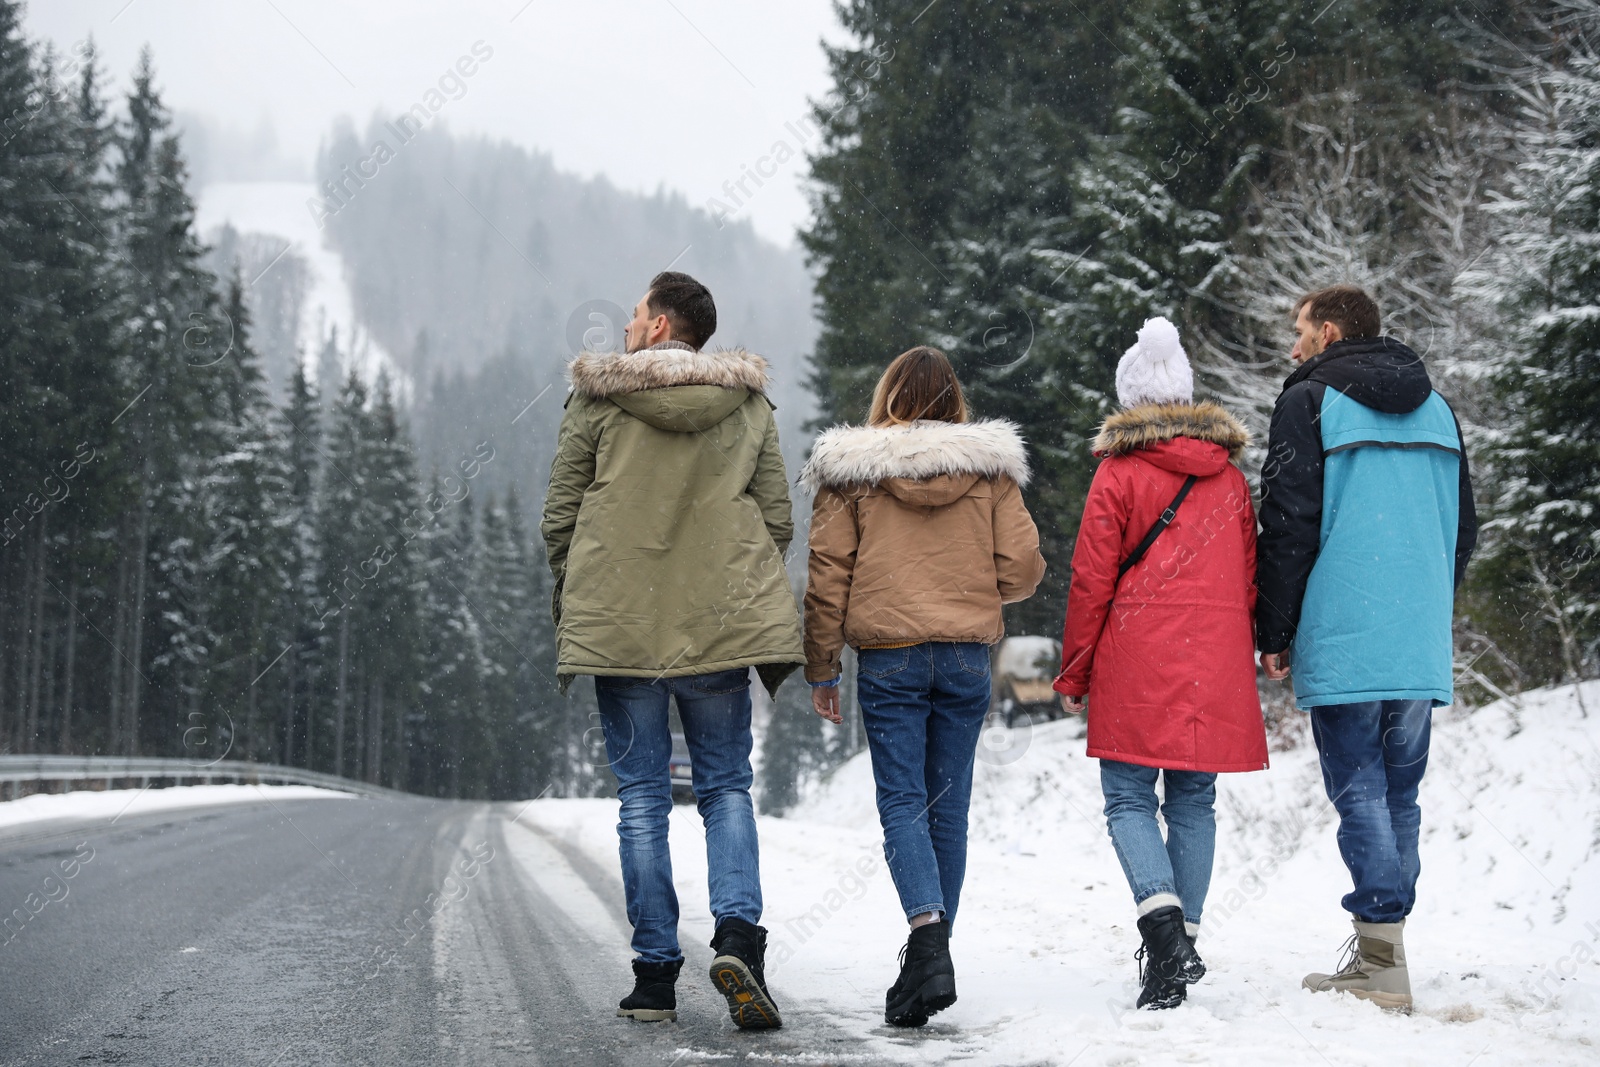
[680,93]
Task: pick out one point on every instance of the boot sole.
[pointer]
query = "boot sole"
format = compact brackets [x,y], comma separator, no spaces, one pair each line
[1396,1002]
[1175,994]
[932,996]
[1162,1003]
[748,1003]
[648,1015]
[1400,1002]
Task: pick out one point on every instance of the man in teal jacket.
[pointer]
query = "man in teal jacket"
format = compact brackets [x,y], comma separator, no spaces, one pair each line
[1367,523]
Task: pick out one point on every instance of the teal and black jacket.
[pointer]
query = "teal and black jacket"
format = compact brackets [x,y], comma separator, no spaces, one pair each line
[1367,523]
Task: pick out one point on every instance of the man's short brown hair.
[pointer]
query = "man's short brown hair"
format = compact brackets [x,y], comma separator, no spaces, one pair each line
[1346,306]
[687,305]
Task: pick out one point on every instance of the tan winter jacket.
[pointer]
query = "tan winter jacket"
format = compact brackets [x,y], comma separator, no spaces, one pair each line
[918,533]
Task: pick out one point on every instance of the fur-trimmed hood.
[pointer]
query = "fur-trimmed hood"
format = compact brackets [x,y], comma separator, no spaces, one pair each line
[606,374]
[868,455]
[1151,424]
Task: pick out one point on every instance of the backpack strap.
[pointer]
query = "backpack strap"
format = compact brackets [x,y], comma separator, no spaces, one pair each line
[1155,531]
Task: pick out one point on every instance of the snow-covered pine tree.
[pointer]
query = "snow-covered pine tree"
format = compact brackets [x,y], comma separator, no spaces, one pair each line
[457,665]
[553,724]
[502,595]
[331,370]
[58,359]
[916,159]
[391,602]
[1136,226]
[426,726]
[1401,217]
[1007,318]
[175,332]
[100,492]
[347,535]
[1541,556]
[246,548]
[299,604]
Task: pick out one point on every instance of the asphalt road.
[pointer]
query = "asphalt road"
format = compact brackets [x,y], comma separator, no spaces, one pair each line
[385,932]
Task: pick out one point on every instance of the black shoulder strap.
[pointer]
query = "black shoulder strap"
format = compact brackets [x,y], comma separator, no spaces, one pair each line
[1155,531]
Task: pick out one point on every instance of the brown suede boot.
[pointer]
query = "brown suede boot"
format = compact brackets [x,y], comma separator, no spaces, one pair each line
[1374,967]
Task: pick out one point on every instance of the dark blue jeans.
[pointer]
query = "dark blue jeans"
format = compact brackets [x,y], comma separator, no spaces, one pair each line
[1373,756]
[923,710]
[715,709]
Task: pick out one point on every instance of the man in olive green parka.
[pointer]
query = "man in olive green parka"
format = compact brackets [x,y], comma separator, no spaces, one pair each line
[666,524]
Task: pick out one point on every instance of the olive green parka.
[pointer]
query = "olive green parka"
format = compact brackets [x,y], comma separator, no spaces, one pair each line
[668,517]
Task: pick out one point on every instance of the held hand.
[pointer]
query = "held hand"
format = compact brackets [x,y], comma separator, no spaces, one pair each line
[825,702]
[1276,664]
[1074,705]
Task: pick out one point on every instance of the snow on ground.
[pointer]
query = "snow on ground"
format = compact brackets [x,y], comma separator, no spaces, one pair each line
[115,803]
[1503,943]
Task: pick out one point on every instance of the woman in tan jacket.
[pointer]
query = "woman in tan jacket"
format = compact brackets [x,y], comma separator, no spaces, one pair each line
[918,536]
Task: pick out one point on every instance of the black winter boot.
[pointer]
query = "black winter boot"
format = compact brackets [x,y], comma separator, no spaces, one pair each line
[1157,992]
[927,982]
[1167,959]
[655,996]
[738,974]
[1170,951]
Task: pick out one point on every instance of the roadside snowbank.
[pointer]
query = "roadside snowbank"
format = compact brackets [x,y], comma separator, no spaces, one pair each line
[115,803]
[1503,944]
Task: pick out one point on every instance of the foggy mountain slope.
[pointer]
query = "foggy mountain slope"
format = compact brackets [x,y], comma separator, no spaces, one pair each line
[488,248]
[296,286]
[483,269]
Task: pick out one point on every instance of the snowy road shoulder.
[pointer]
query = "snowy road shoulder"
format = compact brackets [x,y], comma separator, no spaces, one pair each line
[112,804]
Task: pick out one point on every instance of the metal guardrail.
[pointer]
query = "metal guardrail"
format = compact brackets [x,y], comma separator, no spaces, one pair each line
[68,771]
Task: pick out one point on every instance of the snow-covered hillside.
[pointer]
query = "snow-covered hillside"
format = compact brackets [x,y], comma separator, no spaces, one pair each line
[1503,943]
[279,209]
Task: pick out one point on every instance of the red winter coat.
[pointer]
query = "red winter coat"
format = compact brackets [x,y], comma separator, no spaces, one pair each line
[1167,655]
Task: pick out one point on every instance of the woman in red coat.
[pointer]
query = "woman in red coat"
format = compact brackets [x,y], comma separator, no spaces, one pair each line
[1162,642]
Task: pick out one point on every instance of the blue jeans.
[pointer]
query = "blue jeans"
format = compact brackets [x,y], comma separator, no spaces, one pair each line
[1373,756]
[923,709]
[715,709]
[1180,865]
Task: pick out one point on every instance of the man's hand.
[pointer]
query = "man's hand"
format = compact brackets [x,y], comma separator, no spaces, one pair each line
[1276,664]
[1074,705]
[825,702]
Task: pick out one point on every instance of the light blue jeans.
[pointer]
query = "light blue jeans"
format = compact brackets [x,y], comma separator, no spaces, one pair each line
[1180,865]
[715,709]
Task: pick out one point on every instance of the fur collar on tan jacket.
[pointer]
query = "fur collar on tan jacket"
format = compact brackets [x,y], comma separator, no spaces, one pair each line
[868,455]
[671,363]
[918,533]
[1149,424]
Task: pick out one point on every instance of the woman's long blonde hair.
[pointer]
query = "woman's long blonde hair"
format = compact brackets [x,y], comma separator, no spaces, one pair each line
[919,384]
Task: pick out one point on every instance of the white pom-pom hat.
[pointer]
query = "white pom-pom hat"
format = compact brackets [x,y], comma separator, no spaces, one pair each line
[1155,370]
